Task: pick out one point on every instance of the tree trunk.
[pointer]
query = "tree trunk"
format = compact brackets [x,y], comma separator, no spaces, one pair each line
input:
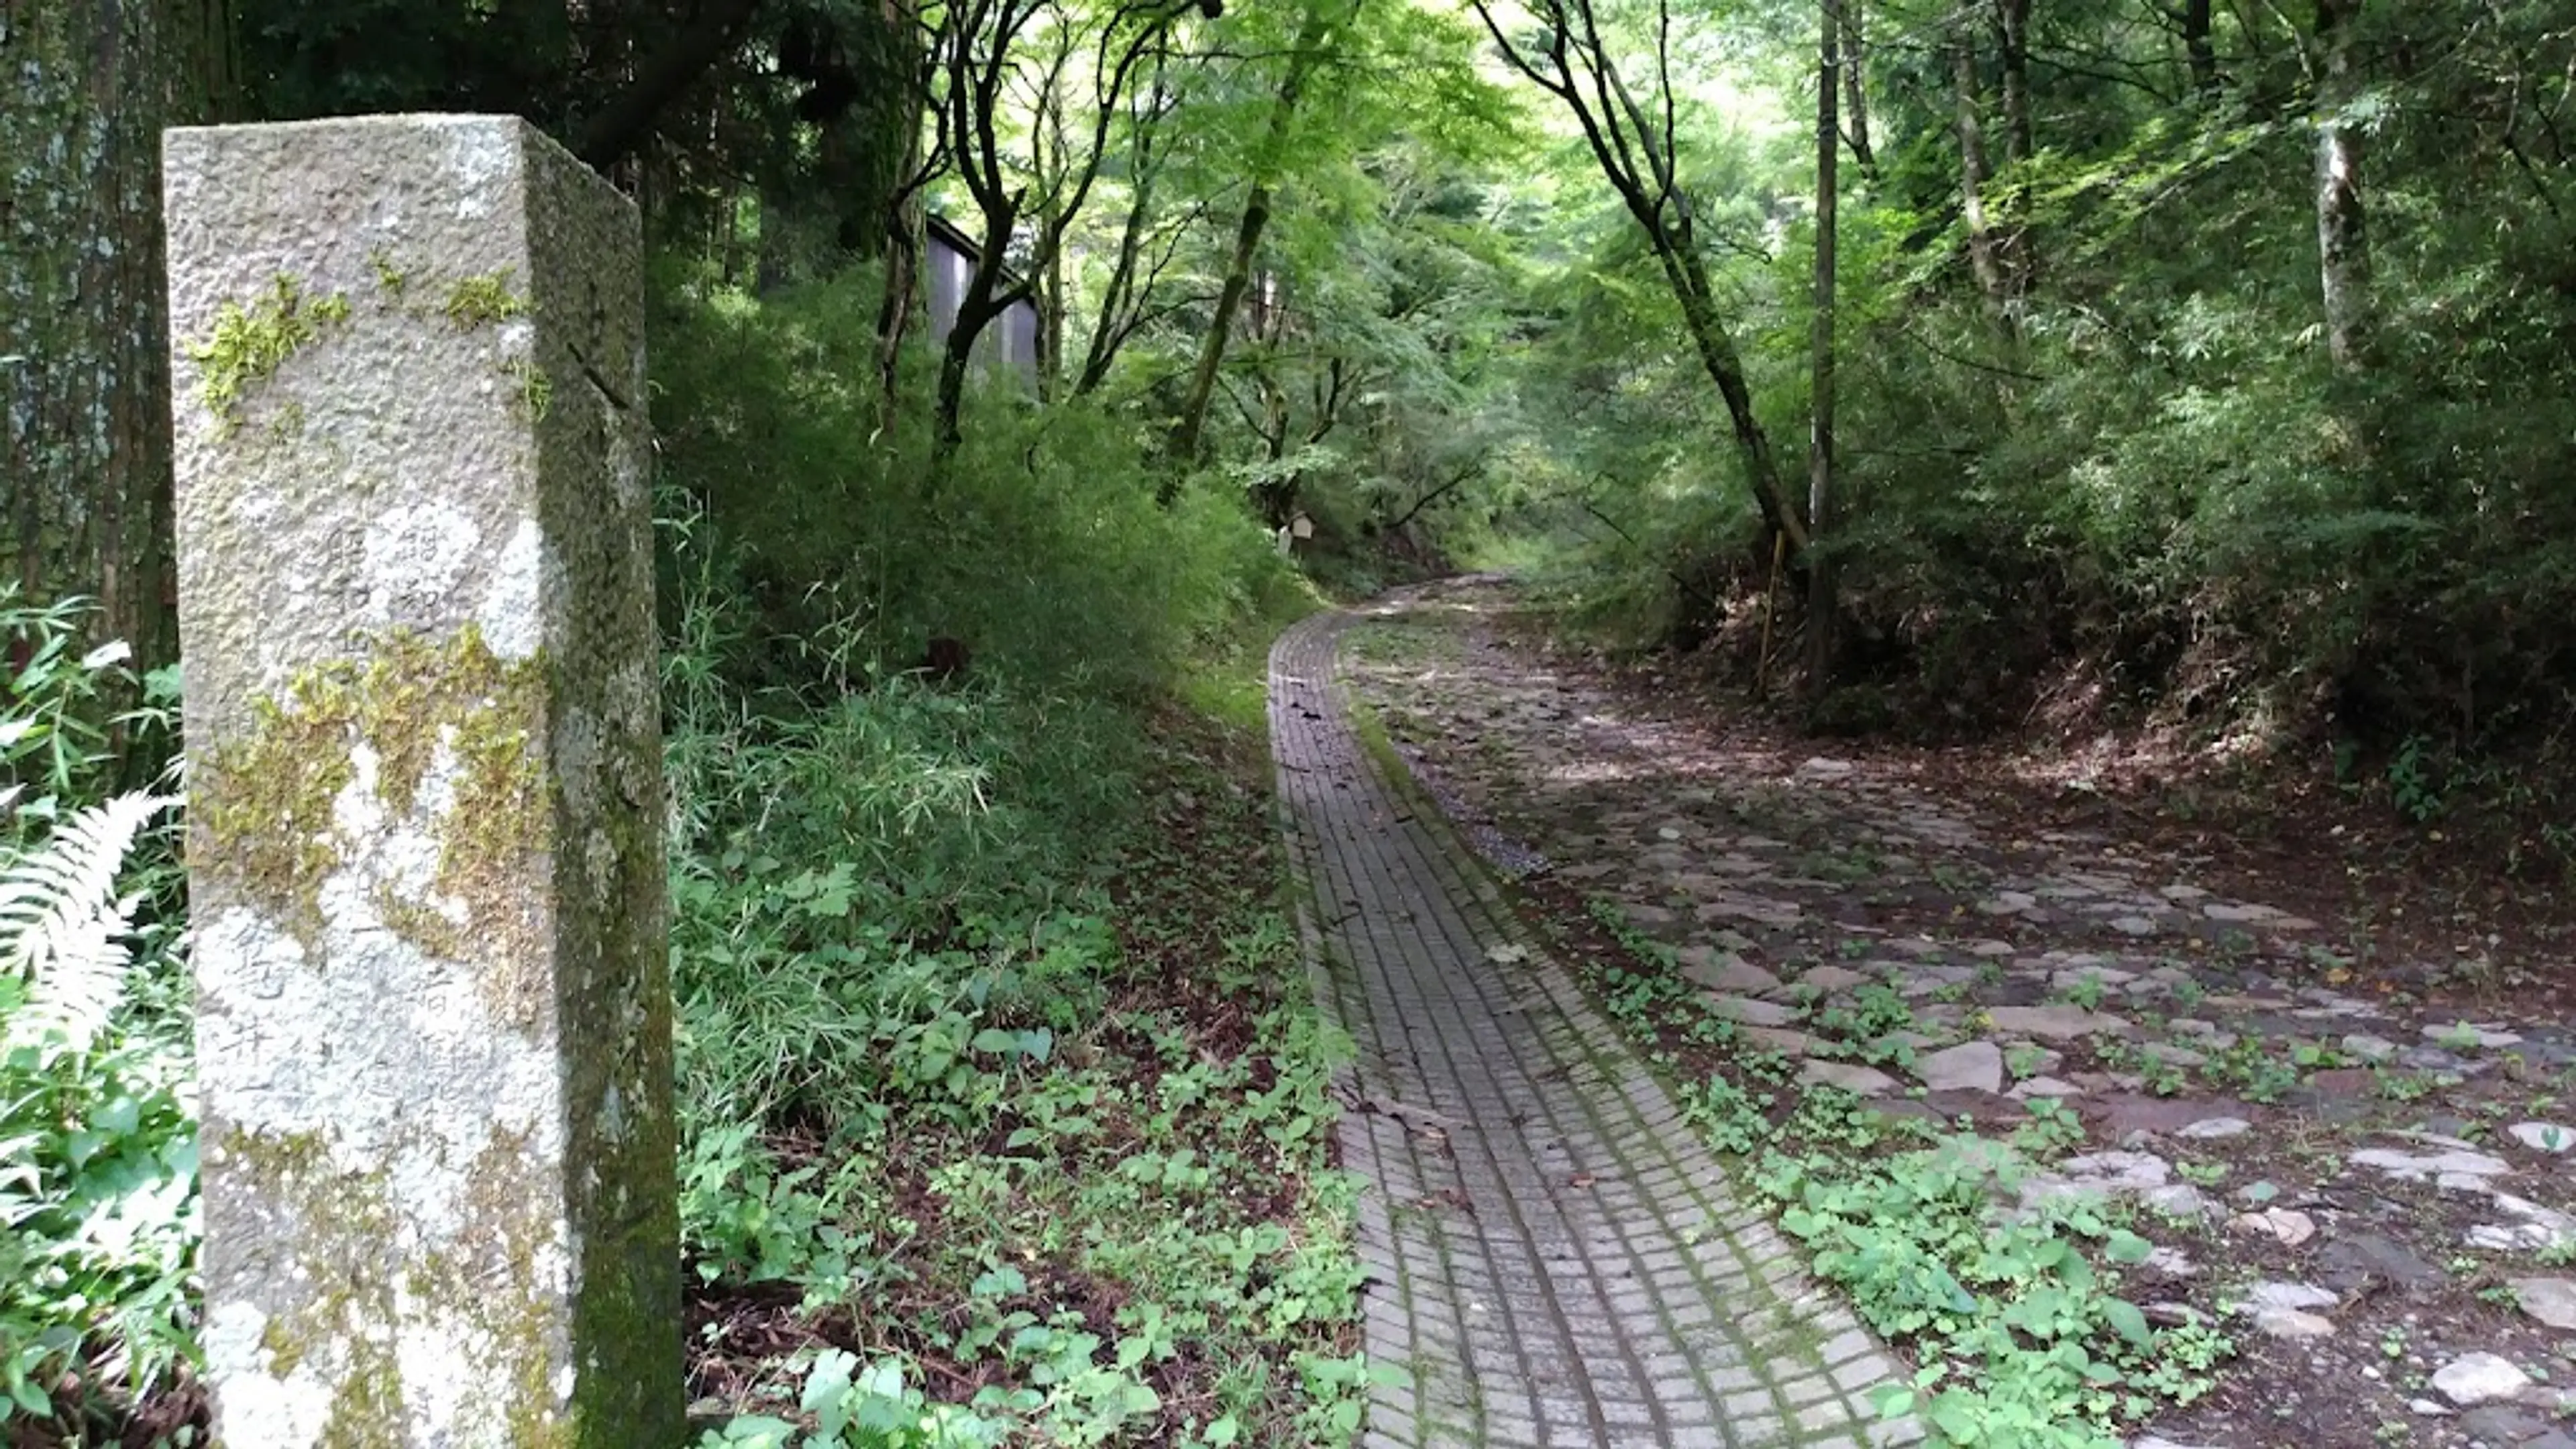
[1972,186]
[2342,250]
[2012,45]
[1108,329]
[84,332]
[905,241]
[1689,277]
[1229,298]
[729,238]
[1855,119]
[896,308]
[953,361]
[974,314]
[2196,45]
[1046,288]
[1637,156]
[903,220]
[771,263]
[621,125]
[1820,449]
[983,304]
[2013,258]
[1050,339]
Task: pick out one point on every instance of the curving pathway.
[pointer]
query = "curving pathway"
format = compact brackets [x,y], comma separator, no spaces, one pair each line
[1555,1260]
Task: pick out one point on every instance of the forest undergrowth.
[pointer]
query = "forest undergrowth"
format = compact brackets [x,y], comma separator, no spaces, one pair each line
[1003,1100]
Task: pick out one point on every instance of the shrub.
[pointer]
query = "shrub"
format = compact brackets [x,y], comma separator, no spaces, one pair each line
[1039,544]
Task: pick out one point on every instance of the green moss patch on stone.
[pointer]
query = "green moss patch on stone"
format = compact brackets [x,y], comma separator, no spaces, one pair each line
[268,799]
[479,301]
[285,1349]
[536,390]
[367,1412]
[249,344]
[388,276]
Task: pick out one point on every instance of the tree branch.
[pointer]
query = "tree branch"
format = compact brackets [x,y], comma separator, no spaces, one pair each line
[1466,475]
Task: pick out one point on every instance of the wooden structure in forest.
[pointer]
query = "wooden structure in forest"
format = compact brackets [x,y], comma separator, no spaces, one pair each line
[1012,341]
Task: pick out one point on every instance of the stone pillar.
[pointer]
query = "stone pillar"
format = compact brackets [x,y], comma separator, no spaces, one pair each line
[424,850]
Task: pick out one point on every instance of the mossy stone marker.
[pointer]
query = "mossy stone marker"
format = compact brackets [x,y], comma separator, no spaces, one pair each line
[415,591]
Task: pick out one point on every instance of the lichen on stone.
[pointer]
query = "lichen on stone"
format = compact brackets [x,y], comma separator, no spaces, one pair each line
[288,425]
[498,1274]
[343,1224]
[268,799]
[249,344]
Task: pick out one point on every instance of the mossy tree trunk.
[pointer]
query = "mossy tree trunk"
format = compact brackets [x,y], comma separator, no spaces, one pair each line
[84,370]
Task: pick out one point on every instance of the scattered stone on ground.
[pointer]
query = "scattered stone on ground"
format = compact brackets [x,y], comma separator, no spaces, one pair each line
[2544,1136]
[2211,1128]
[2550,1300]
[2288,1225]
[2479,1378]
[1975,1066]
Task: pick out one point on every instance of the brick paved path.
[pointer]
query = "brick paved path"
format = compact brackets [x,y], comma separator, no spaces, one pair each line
[1555,1259]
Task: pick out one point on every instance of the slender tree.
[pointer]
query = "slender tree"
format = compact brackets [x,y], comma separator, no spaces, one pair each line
[899,306]
[1821,603]
[1147,242]
[2343,255]
[1984,259]
[1855,106]
[1313,42]
[1637,147]
[2012,52]
[2014,249]
[988,54]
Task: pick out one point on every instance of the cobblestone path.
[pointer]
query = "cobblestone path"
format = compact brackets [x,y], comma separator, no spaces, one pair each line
[1555,1260]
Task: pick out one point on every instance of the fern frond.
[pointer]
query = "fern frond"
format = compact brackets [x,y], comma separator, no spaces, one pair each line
[61,920]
